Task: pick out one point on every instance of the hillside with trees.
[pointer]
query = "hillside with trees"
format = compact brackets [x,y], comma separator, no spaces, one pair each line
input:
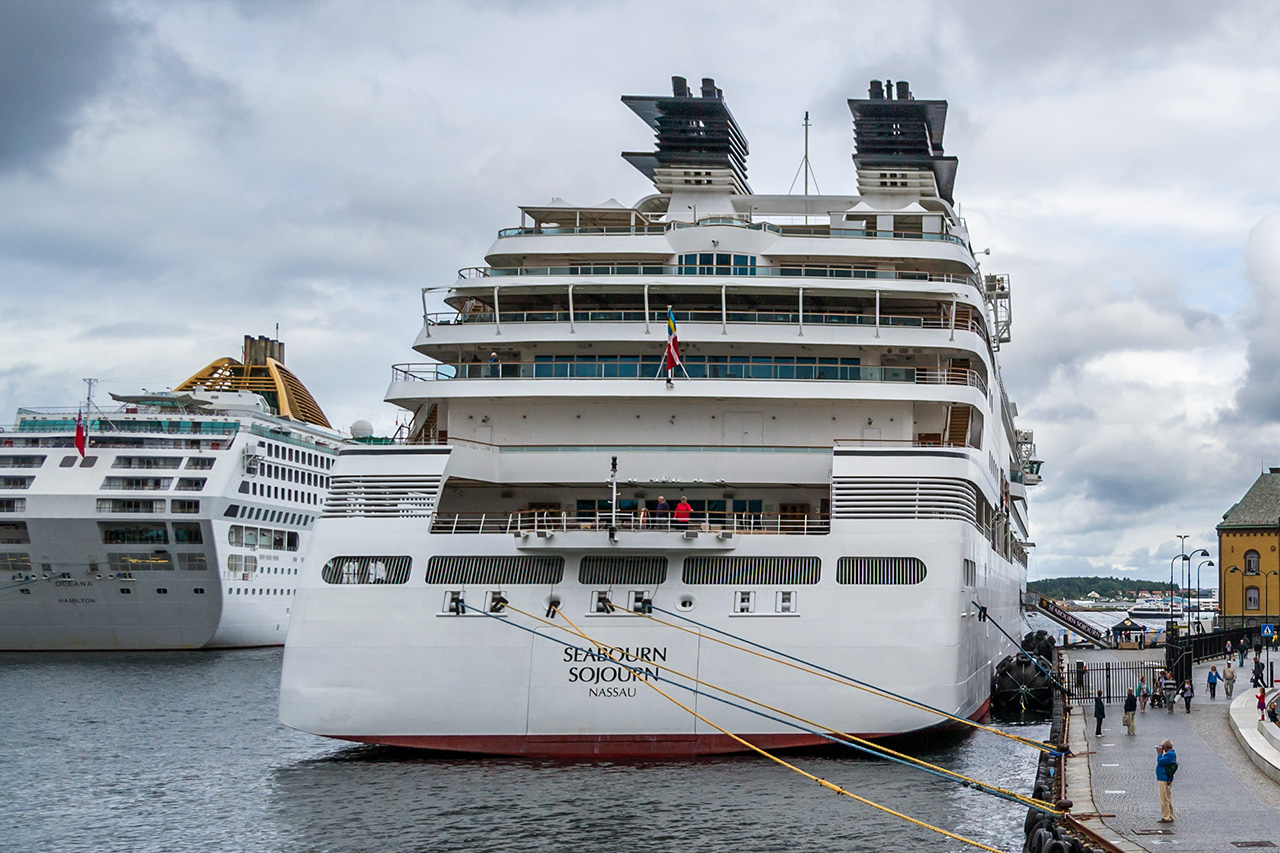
[1072,588]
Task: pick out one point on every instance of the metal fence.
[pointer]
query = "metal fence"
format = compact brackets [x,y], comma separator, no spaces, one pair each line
[1113,678]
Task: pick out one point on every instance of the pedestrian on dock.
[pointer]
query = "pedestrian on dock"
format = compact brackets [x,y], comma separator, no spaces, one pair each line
[1212,680]
[1130,712]
[1258,675]
[1244,651]
[1229,679]
[1262,703]
[1169,687]
[1228,655]
[1099,713]
[1166,767]
[1144,693]
[1187,692]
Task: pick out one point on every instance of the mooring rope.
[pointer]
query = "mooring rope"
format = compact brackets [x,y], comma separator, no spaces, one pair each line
[822,672]
[830,786]
[833,735]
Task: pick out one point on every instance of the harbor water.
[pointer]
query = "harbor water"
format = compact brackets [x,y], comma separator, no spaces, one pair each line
[182,751]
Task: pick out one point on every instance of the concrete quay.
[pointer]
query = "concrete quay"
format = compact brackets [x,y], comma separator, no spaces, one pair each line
[1223,798]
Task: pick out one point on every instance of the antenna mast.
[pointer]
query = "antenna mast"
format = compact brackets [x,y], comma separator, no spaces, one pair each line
[806,168]
[88,402]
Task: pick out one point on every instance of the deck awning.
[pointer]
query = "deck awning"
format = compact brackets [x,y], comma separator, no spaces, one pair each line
[607,214]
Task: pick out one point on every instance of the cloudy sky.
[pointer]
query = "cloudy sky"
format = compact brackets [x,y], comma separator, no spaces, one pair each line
[176,174]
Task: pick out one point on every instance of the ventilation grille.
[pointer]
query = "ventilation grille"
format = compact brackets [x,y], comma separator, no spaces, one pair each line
[868,497]
[495,570]
[752,570]
[366,570]
[607,571]
[880,570]
[382,495]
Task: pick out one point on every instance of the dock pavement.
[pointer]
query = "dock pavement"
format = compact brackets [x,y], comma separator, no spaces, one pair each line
[1222,799]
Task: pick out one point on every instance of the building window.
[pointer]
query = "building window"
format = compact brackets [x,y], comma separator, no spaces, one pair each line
[1252,563]
[1252,598]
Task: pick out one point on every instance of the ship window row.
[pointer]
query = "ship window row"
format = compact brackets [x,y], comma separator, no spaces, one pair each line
[133,505]
[21,461]
[238,590]
[253,537]
[293,475]
[13,504]
[282,493]
[150,533]
[159,463]
[696,366]
[16,482]
[274,516]
[609,570]
[141,561]
[246,564]
[716,263]
[97,426]
[85,462]
[298,456]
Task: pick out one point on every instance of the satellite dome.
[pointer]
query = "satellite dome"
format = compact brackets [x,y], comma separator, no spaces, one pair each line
[361,429]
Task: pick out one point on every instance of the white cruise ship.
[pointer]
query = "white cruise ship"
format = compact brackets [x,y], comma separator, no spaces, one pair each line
[853,475]
[177,521]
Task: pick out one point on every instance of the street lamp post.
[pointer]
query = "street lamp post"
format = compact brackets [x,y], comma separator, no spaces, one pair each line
[1198,568]
[1266,591]
[1186,603]
[1184,558]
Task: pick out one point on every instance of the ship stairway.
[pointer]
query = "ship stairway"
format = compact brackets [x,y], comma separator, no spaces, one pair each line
[958,427]
[1058,612]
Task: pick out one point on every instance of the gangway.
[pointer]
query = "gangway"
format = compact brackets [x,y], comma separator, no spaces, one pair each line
[1059,613]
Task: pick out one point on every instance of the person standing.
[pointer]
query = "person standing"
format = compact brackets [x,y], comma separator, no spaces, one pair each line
[1130,712]
[1262,703]
[683,509]
[1229,679]
[662,513]
[1187,692]
[1099,714]
[1259,677]
[1228,655]
[1144,693]
[1212,681]
[1244,650]
[1166,766]
[1169,688]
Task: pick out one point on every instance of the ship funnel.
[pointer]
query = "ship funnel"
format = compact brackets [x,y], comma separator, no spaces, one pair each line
[709,89]
[680,87]
[904,91]
[258,350]
[876,93]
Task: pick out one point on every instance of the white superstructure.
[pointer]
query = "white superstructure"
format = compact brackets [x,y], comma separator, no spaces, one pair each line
[854,477]
[182,524]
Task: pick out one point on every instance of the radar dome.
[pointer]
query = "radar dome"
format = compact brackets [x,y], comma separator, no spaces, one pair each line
[361,429]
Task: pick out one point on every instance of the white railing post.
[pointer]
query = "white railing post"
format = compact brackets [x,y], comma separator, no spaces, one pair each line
[571,331]
[497,312]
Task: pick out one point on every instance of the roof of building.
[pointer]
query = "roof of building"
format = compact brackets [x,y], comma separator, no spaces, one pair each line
[1260,506]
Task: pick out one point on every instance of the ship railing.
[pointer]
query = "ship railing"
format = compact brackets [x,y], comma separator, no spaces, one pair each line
[100,424]
[784,230]
[648,367]
[736,270]
[532,522]
[900,443]
[450,318]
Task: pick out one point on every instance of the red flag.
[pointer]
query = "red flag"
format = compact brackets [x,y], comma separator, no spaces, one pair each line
[80,436]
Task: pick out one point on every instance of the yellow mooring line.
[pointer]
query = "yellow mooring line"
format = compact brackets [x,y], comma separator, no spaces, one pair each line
[963,720]
[1039,805]
[831,786]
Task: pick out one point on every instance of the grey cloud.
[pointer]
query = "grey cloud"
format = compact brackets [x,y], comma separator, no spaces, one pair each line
[1258,399]
[55,56]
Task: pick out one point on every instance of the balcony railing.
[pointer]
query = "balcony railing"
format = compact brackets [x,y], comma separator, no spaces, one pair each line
[784,230]
[448,318]
[649,367]
[709,523]
[744,271]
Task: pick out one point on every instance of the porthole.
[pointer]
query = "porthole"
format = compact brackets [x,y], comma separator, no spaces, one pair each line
[685,602]
[124,590]
[198,590]
[161,591]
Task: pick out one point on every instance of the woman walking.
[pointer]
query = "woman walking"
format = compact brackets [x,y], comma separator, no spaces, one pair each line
[1144,693]
[1229,679]
[1187,692]
[1213,682]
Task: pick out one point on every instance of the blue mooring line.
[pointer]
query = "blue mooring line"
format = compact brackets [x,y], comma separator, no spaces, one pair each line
[694,690]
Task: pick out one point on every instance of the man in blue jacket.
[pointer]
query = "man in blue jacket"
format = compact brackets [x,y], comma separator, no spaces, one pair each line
[1166,765]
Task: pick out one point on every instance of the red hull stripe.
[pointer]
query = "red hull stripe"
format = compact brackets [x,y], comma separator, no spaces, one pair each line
[617,746]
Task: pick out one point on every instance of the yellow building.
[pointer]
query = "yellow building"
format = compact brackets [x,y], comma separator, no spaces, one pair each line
[1248,560]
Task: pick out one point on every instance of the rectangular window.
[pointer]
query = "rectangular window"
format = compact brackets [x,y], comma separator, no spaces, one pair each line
[186,506]
[200,463]
[190,484]
[137,533]
[366,570]
[156,484]
[158,462]
[235,535]
[155,561]
[13,504]
[192,562]
[1252,598]
[187,533]
[16,482]
[14,533]
[21,461]
[129,505]
[15,562]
